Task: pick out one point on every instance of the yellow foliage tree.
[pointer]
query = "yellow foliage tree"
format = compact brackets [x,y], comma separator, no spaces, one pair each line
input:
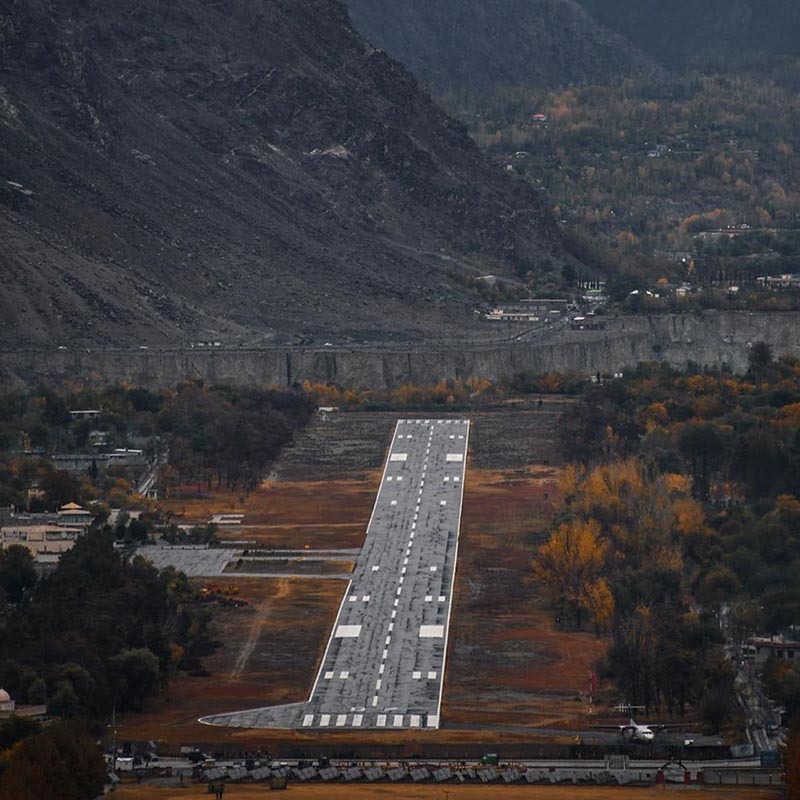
[689,516]
[638,514]
[600,604]
[570,565]
[675,483]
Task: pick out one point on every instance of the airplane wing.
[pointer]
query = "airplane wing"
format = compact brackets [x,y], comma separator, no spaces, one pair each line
[610,727]
[675,726]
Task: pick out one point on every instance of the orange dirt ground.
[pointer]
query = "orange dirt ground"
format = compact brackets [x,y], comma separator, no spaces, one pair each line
[506,664]
[365,792]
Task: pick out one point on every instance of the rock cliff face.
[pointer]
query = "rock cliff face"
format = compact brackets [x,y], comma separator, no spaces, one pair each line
[482,43]
[238,169]
[713,339]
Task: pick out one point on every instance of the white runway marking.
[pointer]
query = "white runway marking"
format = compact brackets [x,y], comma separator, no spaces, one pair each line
[349,631]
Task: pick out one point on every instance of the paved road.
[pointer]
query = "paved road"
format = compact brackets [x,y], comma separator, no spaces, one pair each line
[385,660]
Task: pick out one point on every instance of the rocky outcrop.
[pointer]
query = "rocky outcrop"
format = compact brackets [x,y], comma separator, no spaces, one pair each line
[711,339]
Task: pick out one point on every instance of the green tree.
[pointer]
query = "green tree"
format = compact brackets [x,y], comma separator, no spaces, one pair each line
[134,674]
[17,572]
[760,356]
[704,447]
[59,488]
[37,692]
[137,530]
[65,702]
[15,729]
[621,285]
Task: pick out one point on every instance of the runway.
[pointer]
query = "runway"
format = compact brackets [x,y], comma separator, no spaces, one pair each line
[385,660]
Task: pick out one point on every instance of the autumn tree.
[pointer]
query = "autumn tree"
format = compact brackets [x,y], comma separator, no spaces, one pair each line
[570,565]
[643,517]
[62,762]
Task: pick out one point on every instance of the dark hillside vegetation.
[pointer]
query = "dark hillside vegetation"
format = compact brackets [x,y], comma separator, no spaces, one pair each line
[454,44]
[694,178]
[722,33]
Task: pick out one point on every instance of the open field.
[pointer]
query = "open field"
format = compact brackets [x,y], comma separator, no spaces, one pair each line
[507,666]
[409,792]
[310,513]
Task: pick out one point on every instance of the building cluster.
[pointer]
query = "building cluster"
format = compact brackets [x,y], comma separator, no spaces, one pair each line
[529,311]
[777,283]
[762,648]
[81,463]
[47,536]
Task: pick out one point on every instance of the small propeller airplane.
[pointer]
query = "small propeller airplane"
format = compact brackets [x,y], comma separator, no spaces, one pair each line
[632,731]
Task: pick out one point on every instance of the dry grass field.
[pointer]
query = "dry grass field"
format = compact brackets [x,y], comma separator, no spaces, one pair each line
[506,666]
[310,514]
[409,792]
[268,654]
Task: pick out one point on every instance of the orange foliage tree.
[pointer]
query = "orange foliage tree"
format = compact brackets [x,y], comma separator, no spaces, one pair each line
[570,565]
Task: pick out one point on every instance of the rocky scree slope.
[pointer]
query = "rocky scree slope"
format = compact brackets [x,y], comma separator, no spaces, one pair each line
[485,43]
[248,170]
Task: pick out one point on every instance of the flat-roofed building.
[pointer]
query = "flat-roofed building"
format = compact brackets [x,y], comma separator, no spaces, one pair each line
[765,647]
[46,543]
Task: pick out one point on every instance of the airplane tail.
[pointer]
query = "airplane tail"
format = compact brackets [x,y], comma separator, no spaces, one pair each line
[627,708]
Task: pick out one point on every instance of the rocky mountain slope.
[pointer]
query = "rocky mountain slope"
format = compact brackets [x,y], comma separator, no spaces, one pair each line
[248,170]
[481,43]
[720,32]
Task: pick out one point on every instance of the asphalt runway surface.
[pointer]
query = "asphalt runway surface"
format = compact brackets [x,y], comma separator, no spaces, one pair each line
[384,664]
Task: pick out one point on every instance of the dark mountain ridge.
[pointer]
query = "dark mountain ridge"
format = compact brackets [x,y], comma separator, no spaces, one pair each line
[243,169]
[483,43]
[719,33]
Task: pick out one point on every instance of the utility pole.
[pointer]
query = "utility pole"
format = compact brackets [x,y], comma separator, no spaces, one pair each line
[114,738]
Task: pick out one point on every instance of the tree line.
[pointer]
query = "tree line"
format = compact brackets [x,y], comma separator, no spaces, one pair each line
[100,632]
[212,435]
[684,497]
